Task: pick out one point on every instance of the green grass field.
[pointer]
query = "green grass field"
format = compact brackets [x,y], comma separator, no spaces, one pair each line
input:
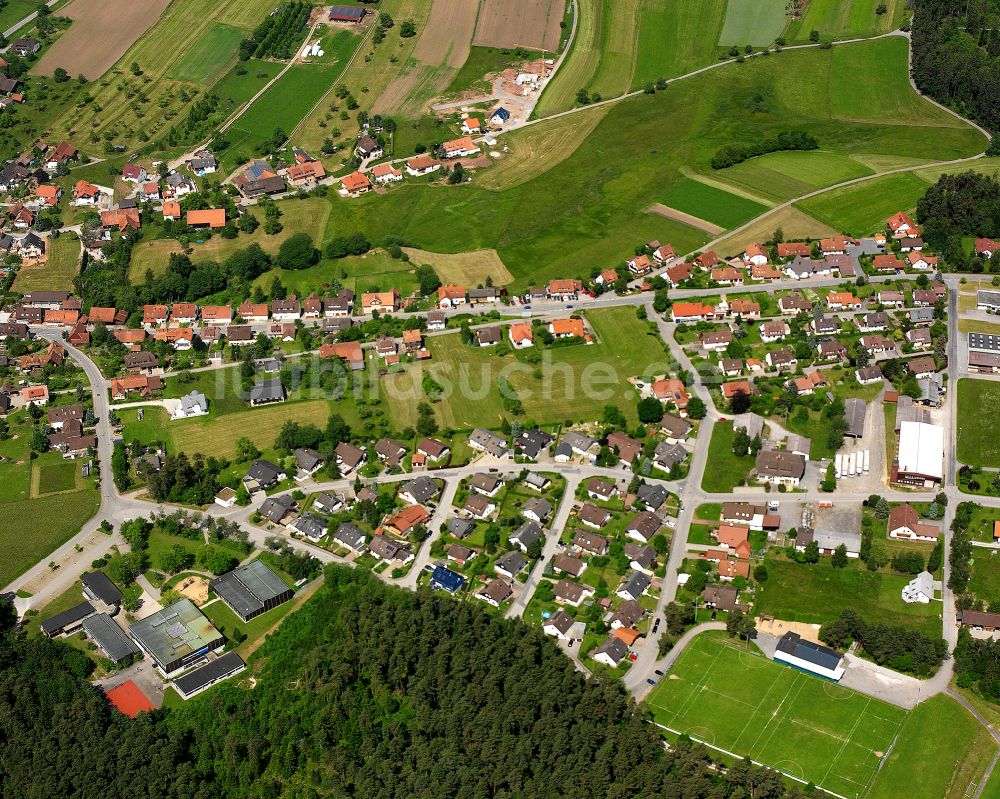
[55,477]
[56,273]
[862,209]
[209,56]
[727,470]
[711,204]
[756,22]
[841,19]
[985,582]
[281,106]
[565,386]
[226,621]
[816,594]
[926,764]
[978,406]
[781,176]
[298,216]
[646,145]
[35,527]
[675,37]
[481,61]
[580,64]
[809,728]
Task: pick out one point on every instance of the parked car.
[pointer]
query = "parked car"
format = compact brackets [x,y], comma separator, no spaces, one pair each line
[633,656]
[658,673]
[656,625]
[651,681]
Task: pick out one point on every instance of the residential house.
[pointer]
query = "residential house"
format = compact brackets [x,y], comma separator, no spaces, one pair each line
[904,523]
[779,467]
[567,593]
[643,527]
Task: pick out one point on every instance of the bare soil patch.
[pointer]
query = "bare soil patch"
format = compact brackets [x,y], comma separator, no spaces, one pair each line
[687,219]
[101,32]
[448,34]
[520,23]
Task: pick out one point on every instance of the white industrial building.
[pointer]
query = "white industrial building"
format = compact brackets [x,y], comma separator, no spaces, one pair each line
[920,460]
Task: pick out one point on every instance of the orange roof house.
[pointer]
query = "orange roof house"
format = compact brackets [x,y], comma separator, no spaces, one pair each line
[681,311]
[103,315]
[171,209]
[566,327]
[349,351]
[451,294]
[354,184]
[213,218]
[83,189]
[121,219]
[130,337]
[49,193]
[408,518]
[59,317]
[154,314]
[730,390]
[521,334]
[887,263]
[732,535]
[673,390]
[789,249]
[143,385]
[216,313]
[627,635]
[307,172]
[900,222]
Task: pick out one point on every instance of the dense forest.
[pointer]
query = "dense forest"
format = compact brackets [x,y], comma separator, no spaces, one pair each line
[964,204]
[367,691]
[956,56]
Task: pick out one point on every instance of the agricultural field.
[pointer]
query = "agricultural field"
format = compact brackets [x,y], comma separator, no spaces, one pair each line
[55,274]
[280,107]
[782,176]
[565,389]
[298,216]
[756,22]
[844,19]
[925,764]
[676,37]
[580,64]
[592,198]
[619,35]
[711,204]
[534,24]
[863,208]
[204,62]
[368,77]
[99,35]
[125,105]
[816,593]
[812,729]
[978,406]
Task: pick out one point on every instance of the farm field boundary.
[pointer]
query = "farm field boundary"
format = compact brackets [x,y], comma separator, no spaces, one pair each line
[687,219]
[520,23]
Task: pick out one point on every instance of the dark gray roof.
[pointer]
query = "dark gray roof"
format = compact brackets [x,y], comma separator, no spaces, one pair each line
[229,663]
[53,624]
[532,442]
[308,459]
[527,534]
[103,631]
[539,507]
[275,508]
[350,535]
[652,496]
[854,413]
[269,390]
[264,472]
[635,584]
[817,654]
[101,587]
[512,562]
[423,489]
[247,588]
[460,528]
[311,526]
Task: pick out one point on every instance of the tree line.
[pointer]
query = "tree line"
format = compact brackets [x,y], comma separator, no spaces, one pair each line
[366,691]
[732,154]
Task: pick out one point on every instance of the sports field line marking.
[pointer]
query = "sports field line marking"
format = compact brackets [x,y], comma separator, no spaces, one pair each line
[847,740]
[699,687]
[780,715]
[775,713]
[777,678]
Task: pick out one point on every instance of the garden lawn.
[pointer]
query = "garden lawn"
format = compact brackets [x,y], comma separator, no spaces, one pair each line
[55,274]
[728,470]
[711,204]
[978,407]
[735,699]
[209,55]
[985,582]
[926,764]
[816,593]
[33,528]
[576,381]
[57,476]
[756,22]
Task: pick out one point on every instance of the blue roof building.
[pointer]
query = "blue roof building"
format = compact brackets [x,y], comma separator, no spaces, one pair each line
[446,580]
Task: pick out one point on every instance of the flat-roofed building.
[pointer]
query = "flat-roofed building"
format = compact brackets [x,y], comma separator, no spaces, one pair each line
[176,637]
[204,677]
[251,589]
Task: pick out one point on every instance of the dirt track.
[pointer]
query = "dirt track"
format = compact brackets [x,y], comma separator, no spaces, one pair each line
[101,32]
[520,23]
[687,219]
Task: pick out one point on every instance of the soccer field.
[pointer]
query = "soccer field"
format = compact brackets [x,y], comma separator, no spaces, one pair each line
[799,724]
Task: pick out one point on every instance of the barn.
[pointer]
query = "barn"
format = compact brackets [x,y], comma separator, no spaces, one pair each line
[346,14]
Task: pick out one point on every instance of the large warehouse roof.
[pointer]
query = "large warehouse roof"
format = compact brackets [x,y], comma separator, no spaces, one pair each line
[248,588]
[109,637]
[174,632]
[921,449]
